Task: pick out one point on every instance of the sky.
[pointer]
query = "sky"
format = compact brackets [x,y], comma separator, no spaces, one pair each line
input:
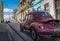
[9,6]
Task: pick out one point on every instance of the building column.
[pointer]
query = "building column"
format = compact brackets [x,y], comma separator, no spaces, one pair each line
[52,8]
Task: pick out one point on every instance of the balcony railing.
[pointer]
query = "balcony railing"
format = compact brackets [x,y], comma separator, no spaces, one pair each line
[23,7]
[20,2]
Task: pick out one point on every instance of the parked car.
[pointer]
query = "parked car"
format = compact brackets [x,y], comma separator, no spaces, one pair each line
[7,21]
[41,23]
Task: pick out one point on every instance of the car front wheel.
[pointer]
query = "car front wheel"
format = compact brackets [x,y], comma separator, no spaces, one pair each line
[33,34]
[21,28]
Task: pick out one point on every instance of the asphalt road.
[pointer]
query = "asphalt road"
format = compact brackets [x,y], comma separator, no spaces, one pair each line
[43,38]
[13,33]
[27,35]
[16,28]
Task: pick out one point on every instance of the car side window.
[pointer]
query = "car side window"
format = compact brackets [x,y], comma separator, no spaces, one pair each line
[30,17]
[26,18]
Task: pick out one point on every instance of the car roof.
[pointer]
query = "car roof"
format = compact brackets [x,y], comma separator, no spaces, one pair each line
[36,12]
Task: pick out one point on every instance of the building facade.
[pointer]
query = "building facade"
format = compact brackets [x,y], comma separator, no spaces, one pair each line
[14,15]
[23,9]
[26,6]
[1,12]
[36,5]
[53,7]
[49,6]
[13,18]
[44,5]
[57,9]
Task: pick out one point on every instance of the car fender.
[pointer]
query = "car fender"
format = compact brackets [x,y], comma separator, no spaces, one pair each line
[36,25]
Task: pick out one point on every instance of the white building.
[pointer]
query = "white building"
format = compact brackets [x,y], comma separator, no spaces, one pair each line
[49,6]
[44,5]
[53,7]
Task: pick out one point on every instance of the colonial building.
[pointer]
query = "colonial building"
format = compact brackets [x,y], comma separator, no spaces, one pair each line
[1,12]
[23,9]
[57,9]
[26,6]
[36,5]
[51,6]
[13,18]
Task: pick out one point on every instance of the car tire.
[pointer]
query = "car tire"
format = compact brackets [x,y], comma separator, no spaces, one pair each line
[33,34]
[21,27]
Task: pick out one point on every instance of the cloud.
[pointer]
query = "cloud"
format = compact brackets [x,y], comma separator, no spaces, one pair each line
[7,13]
[8,10]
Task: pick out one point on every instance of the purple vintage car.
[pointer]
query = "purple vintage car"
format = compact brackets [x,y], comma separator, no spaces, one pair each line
[41,23]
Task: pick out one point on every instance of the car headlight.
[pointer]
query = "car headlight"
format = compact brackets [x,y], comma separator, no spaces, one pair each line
[41,27]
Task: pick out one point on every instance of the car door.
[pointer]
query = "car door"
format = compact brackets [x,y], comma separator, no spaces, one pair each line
[25,21]
[28,19]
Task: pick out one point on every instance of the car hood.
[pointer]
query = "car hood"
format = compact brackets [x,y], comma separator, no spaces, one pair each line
[52,23]
[54,20]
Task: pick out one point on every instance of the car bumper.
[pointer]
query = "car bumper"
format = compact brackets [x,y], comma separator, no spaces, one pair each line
[52,34]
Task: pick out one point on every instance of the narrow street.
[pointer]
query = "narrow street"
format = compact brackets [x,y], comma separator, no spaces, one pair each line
[16,28]
[17,35]
[26,36]
[14,33]
[29,20]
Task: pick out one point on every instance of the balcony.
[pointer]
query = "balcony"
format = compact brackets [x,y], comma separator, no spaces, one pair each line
[19,2]
[23,7]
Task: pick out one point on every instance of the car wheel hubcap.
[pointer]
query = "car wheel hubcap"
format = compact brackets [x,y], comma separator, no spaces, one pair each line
[33,34]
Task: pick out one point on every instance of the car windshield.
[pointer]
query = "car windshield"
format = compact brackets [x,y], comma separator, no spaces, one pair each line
[44,14]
